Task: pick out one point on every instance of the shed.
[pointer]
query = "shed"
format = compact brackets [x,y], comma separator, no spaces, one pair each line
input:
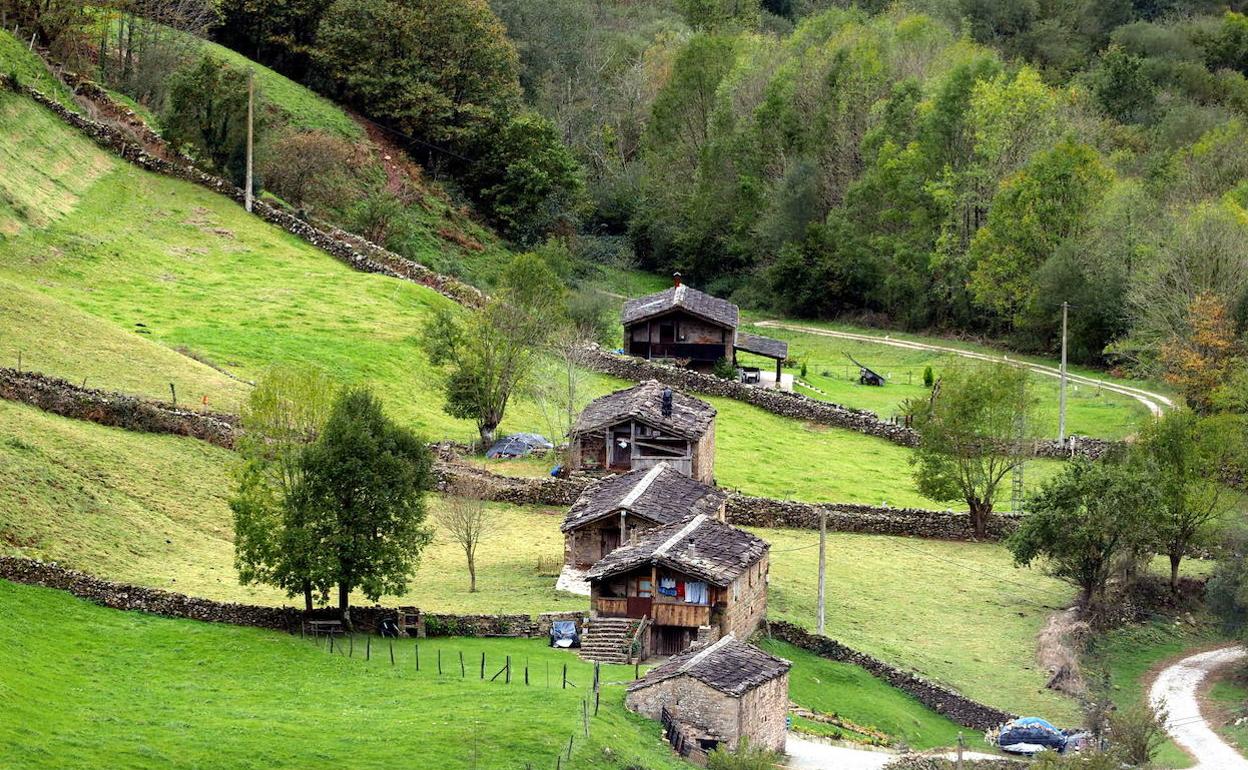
[718,694]
[683,324]
[641,426]
[613,510]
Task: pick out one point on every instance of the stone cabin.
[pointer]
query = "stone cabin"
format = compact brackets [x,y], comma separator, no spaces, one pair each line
[614,510]
[696,580]
[642,426]
[684,324]
[718,694]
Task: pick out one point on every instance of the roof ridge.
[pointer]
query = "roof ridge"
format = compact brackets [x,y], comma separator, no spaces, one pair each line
[702,654]
[642,485]
[693,524]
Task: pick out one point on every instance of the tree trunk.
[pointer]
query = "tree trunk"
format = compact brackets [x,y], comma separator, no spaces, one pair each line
[487,436]
[307,595]
[1175,558]
[472,574]
[344,605]
[980,511]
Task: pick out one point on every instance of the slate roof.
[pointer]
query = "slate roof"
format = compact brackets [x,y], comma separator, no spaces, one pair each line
[702,547]
[660,494]
[729,665]
[691,417]
[764,346]
[699,303]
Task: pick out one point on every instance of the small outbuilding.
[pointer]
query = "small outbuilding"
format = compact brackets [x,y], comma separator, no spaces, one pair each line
[614,510]
[642,426]
[692,327]
[716,695]
[691,581]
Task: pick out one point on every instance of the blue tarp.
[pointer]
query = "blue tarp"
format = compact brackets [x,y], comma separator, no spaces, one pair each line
[1026,735]
[519,445]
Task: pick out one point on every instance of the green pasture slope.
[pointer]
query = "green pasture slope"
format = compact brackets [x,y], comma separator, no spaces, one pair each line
[103,688]
[165,262]
[153,510]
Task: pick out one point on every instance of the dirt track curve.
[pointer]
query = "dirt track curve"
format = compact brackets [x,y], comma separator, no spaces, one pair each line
[1176,689]
[1155,402]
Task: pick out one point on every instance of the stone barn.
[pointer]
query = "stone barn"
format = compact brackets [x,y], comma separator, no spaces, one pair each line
[716,695]
[691,581]
[614,510]
[642,426]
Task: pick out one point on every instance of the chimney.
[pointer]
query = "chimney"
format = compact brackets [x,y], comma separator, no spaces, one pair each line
[676,278]
[667,399]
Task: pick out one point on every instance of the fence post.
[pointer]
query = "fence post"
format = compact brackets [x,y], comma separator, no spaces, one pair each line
[368,648]
[461,664]
[585,716]
[507,679]
[392,652]
[565,676]
[417,648]
[351,646]
[483,664]
[439,661]
[331,644]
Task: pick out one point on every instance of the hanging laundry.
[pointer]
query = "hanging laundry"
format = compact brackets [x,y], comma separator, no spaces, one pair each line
[680,590]
[667,586]
[696,592]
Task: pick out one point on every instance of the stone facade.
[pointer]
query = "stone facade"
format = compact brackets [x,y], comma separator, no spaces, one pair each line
[716,717]
[746,602]
[942,700]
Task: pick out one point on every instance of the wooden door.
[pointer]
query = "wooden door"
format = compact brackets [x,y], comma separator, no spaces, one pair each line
[639,606]
[610,540]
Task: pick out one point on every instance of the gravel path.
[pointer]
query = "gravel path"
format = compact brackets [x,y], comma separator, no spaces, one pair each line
[1155,402]
[1176,688]
[807,754]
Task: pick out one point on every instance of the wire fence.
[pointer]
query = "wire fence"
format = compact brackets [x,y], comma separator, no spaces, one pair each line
[504,672]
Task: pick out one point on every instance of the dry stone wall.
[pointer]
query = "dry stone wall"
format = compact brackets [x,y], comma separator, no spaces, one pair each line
[798,406]
[345,247]
[959,708]
[121,596]
[114,409]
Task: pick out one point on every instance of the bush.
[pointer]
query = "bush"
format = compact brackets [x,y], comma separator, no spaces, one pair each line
[745,757]
[929,378]
[1136,734]
[207,115]
[724,369]
[378,217]
[307,168]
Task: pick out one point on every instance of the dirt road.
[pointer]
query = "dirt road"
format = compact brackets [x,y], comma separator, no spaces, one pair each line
[1155,402]
[1176,688]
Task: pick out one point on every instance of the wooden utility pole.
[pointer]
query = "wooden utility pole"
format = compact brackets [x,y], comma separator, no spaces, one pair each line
[1061,397]
[823,542]
[251,98]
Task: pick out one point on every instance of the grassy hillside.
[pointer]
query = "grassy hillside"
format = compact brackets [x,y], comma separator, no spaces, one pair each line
[103,688]
[166,262]
[152,510]
[16,59]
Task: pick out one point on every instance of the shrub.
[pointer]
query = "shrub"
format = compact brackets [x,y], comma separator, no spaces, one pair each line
[1136,733]
[803,370]
[724,369]
[307,168]
[746,757]
[378,217]
[929,377]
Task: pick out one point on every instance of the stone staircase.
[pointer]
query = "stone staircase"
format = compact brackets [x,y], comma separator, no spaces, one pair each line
[606,640]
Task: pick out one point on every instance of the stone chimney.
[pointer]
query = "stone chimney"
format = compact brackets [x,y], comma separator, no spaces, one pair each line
[676,278]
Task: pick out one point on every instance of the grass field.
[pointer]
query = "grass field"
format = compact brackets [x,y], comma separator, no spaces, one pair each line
[152,510]
[103,688]
[850,692]
[1090,411]
[1228,697]
[16,59]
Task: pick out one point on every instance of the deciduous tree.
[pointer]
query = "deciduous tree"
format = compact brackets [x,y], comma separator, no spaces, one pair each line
[464,516]
[972,432]
[363,489]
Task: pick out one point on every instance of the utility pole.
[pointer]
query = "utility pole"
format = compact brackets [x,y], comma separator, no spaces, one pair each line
[251,97]
[1061,397]
[823,542]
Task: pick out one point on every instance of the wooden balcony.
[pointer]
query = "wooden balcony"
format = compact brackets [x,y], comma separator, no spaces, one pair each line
[681,614]
[611,607]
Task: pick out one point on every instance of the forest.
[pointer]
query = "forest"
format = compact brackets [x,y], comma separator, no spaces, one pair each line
[957,166]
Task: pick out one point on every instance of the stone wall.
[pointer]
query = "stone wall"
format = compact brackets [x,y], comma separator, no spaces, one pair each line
[121,596]
[746,511]
[764,711]
[705,710]
[114,409]
[350,249]
[942,700]
[798,406]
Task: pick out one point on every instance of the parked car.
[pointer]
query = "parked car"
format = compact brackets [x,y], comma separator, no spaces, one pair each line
[1031,735]
[563,633]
